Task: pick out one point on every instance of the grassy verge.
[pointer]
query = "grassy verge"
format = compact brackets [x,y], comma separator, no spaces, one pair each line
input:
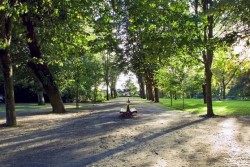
[34,106]
[25,106]
[228,107]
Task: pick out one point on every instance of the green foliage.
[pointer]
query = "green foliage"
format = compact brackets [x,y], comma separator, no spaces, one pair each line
[181,74]
[241,88]
[130,86]
[227,68]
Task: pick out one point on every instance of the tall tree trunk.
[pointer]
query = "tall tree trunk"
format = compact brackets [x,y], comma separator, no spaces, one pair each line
[41,70]
[115,93]
[142,86]
[112,92]
[223,88]
[5,35]
[77,94]
[156,91]
[208,56]
[149,84]
[150,91]
[204,93]
[147,96]
[8,88]
[107,76]
[183,100]
[95,93]
[175,95]
[113,86]
[171,98]
[107,92]
[208,74]
[77,86]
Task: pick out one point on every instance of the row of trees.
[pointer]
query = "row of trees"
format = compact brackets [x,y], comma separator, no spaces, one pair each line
[62,46]
[167,42]
[73,46]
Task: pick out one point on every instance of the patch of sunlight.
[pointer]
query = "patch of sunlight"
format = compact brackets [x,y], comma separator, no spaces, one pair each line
[218,101]
[220,109]
[101,125]
[35,144]
[229,123]
[161,163]
[156,124]
[34,140]
[199,110]
[226,138]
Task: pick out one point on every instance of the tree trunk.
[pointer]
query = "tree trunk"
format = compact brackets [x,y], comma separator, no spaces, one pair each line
[183,100]
[208,56]
[8,88]
[150,91]
[156,91]
[107,76]
[223,89]
[77,94]
[204,93]
[107,93]
[147,96]
[5,35]
[208,74]
[115,93]
[142,87]
[112,92]
[43,74]
[77,86]
[95,93]
[40,70]
[149,85]
[171,98]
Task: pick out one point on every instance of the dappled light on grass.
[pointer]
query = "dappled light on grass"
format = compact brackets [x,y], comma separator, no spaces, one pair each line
[221,110]
[38,108]
[196,106]
[199,110]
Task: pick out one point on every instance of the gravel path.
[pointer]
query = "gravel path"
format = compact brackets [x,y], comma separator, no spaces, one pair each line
[96,136]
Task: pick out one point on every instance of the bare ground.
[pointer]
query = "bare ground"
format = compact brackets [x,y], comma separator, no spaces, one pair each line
[96,136]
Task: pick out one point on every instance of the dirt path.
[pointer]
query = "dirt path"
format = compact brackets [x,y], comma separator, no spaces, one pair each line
[97,136]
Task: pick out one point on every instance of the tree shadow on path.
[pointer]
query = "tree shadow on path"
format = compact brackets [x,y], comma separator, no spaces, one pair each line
[94,158]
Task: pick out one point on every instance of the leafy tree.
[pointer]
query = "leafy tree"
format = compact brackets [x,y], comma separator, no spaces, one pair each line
[40,69]
[207,52]
[234,17]
[129,85]
[226,68]
[241,87]
[39,18]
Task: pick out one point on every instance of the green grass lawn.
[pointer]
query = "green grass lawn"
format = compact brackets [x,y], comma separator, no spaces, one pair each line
[227,107]
[25,106]
[34,106]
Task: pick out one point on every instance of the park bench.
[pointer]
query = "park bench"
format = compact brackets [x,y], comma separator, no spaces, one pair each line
[128,112]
